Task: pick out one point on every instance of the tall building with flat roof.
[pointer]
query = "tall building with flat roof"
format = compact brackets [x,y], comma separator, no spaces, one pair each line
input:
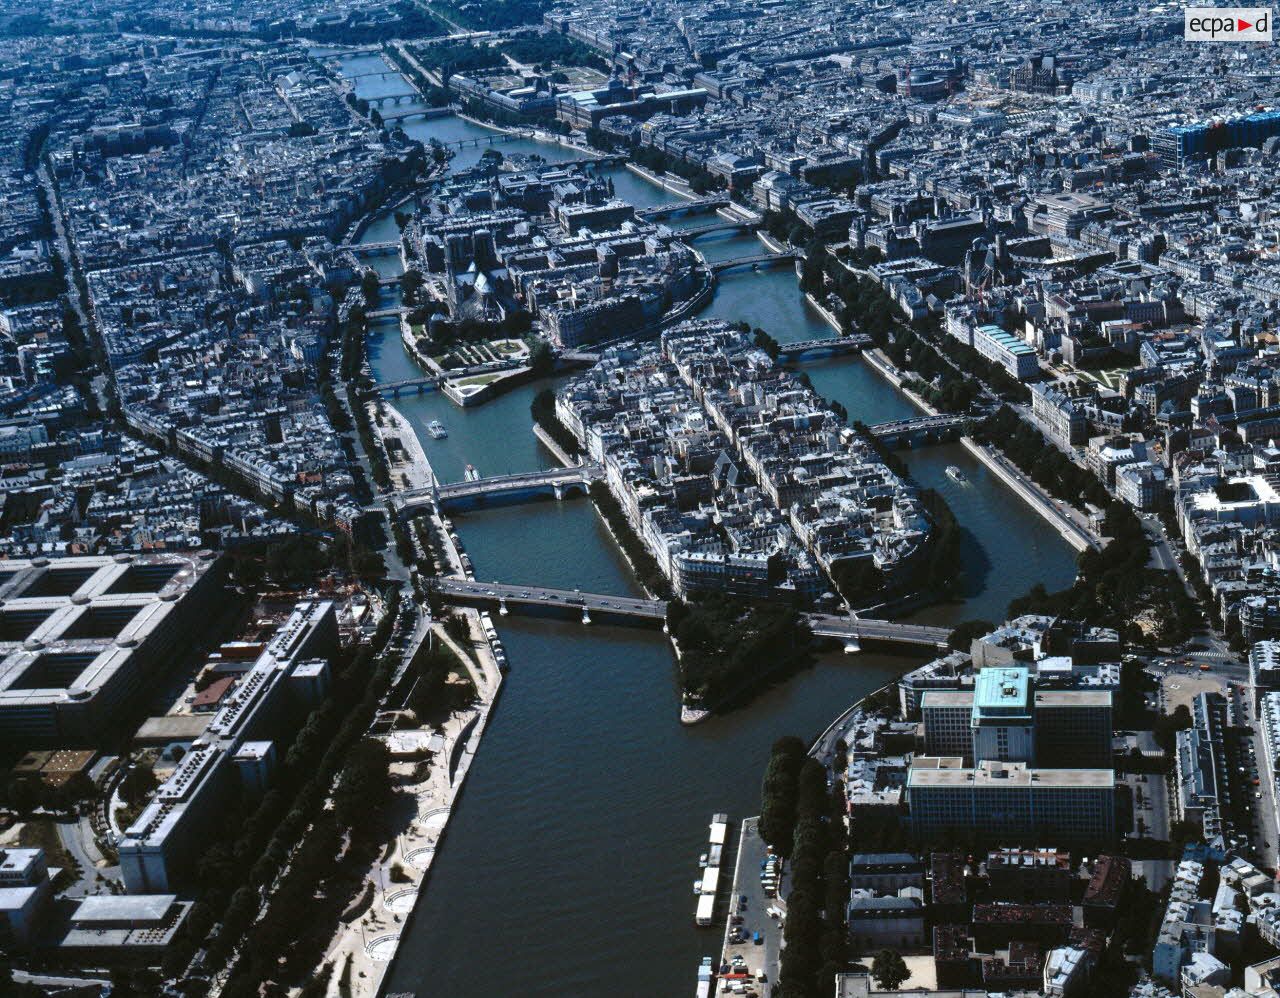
[1001,782]
[1010,802]
[1001,718]
[1008,718]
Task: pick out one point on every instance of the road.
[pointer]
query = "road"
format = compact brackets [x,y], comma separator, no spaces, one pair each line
[823,625]
[746,881]
[1071,523]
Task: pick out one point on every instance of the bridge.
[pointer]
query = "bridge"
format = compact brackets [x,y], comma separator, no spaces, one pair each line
[710,228]
[690,206]
[497,138]
[385,313]
[379,73]
[382,100]
[373,249]
[559,482]
[419,385]
[418,112]
[827,346]
[537,600]
[755,260]
[933,429]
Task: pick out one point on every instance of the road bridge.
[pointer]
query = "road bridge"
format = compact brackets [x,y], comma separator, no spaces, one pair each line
[417,385]
[559,482]
[689,206]
[418,112]
[755,260]
[827,346]
[383,100]
[711,228]
[541,600]
[373,249]
[379,73]
[921,429]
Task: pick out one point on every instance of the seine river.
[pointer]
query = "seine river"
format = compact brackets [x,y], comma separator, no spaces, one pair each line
[569,861]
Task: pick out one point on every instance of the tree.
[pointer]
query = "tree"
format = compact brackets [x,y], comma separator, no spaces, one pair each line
[542,359]
[138,782]
[370,286]
[889,969]
[963,634]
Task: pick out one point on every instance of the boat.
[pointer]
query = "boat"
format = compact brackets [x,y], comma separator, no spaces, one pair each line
[470,474]
[705,977]
[437,430]
[955,474]
[709,884]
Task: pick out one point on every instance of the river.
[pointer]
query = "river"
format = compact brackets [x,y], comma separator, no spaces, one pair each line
[569,861]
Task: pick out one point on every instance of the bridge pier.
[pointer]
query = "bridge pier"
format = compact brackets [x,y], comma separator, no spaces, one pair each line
[852,646]
[502,606]
[586,616]
[559,492]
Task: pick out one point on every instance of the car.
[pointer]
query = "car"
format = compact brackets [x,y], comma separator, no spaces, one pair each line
[758,939]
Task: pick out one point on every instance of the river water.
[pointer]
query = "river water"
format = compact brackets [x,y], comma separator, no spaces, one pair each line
[569,861]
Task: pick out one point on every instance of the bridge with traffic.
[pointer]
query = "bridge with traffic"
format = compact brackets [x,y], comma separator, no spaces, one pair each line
[826,346]
[754,260]
[557,482]
[540,600]
[711,228]
[921,429]
[690,206]
[417,385]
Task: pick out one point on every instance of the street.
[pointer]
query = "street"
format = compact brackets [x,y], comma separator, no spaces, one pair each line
[753,916]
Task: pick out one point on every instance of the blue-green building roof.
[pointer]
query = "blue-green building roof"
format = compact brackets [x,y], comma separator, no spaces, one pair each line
[1001,694]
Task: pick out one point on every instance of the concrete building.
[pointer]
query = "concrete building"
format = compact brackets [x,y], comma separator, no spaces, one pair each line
[875,922]
[26,892]
[1006,717]
[80,636]
[885,873]
[162,845]
[1008,801]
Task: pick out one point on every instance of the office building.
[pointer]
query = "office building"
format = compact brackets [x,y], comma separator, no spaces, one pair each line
[1007,717]
[1009,802]
[80,637]
[161,846]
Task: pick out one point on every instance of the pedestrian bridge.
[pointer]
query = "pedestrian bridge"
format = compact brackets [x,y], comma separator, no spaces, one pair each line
[543,601]
[558,482]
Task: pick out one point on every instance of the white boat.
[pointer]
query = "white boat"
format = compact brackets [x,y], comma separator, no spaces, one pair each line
[956,475]
[705,976]
[437,430]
